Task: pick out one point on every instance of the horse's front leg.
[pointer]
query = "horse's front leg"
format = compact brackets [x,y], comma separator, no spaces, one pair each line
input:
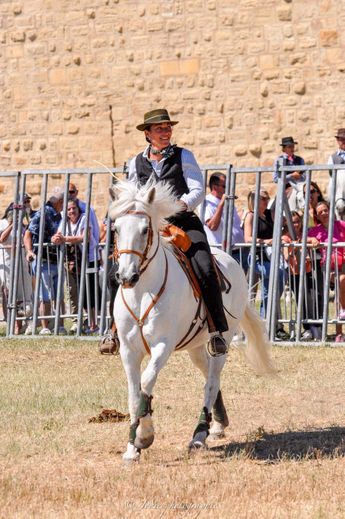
[145,431]
[215,366]
[131,361]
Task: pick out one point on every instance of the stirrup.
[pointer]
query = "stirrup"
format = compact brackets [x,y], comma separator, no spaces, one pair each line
[217,345]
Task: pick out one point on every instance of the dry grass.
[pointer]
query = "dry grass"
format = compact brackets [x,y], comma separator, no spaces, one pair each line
[283,456]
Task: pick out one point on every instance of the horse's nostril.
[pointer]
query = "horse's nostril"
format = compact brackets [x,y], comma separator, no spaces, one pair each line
[134,279]
[117,277]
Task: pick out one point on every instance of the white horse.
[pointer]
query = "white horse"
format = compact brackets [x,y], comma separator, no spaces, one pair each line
[339,194]
[157,312]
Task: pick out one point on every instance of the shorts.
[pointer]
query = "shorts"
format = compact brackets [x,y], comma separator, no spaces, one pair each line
[48,281]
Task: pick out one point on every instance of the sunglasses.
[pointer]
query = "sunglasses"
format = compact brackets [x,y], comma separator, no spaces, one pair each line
[72,192]
[313,191]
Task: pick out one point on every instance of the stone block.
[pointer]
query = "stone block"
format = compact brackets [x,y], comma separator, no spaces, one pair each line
[267,61]
[14,51]
[299,87]
[57,76]
[17,36]
[335,55]
[328,38]
[240,150]
[179,67]
[284,13]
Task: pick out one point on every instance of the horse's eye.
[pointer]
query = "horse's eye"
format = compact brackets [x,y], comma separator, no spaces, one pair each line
[145,230]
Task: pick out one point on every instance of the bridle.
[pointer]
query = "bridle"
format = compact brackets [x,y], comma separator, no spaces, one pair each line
[144,260]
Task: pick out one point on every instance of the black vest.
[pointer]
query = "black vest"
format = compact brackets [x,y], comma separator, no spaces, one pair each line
[296,161]
[172,172]
[337,159]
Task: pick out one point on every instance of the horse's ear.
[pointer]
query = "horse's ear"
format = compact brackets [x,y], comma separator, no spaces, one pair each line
[112,194]
[151,195]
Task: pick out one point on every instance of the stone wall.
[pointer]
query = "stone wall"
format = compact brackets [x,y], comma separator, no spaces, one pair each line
[77,76]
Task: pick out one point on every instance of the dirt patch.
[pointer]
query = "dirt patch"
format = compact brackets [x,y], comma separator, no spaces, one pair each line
[110,415]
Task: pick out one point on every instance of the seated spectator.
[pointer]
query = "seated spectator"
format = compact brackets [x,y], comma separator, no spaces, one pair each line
[75,229]
[292,256]
[320,233]
[24,289]
[214,219]
[263,256]
[49,270]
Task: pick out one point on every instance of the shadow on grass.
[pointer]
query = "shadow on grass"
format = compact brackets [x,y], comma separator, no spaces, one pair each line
[290,445]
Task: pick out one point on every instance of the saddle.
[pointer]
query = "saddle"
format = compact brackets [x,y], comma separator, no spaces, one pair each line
[181,243]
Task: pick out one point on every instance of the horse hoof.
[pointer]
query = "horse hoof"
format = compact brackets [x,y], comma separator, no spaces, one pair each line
[131,455]
[216,436]
[195,445]
[143,443]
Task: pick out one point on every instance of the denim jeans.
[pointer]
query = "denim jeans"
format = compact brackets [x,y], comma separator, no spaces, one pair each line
[263,269]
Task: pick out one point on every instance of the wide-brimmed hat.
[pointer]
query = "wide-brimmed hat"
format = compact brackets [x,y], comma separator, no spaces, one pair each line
[26,197]
[288,141]
[340,133]
[155,117]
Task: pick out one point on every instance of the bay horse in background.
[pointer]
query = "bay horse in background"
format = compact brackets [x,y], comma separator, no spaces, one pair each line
[157,312]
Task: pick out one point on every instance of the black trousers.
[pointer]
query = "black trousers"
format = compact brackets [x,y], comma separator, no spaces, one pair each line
[200,257]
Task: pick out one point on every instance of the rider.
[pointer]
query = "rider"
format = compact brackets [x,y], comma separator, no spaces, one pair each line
[163,161]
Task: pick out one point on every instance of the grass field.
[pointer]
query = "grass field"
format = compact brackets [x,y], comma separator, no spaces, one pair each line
[283,456]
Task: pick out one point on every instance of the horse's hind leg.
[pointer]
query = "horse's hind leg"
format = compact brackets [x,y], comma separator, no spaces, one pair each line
[220,418]
[211,369]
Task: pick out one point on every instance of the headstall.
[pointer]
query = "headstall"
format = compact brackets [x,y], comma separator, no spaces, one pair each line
[142,255]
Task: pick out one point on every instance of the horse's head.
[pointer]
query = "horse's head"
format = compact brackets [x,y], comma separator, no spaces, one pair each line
[138,214]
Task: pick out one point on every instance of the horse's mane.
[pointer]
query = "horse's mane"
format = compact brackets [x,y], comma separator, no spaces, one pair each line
[158,204]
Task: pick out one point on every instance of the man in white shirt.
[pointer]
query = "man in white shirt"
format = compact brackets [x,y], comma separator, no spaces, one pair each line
[214,219]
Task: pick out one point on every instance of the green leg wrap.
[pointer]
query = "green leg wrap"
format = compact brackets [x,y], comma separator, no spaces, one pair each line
[204,422]
[219,411]
[144,405]
[132,431]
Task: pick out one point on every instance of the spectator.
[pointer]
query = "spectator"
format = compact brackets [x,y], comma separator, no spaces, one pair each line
[264,241]
[339,156]
[214,218]
[75,225]
[292,255]
[49,270]
[320,233]
[315,197]
[109,342]
[24,289]
[75,230]
[73,195]
[294,180]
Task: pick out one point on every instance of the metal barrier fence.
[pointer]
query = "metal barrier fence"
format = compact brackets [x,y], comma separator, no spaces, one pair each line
[306,302]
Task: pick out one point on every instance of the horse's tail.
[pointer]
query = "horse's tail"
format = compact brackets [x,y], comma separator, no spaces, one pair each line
[258,346]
